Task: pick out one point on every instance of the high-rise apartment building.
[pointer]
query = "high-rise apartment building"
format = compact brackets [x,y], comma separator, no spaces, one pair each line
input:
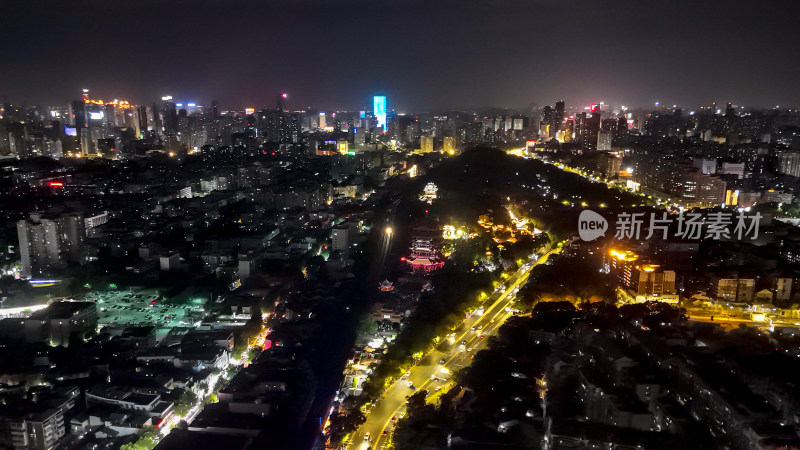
[38,246]
[604,141]
[789,163]
[697,188]
[169,115]
[140,121]
[280,127]
[449,147]
[558,116]
[71,236]
[48,243]
[426,144]
[642,281]
[587,130]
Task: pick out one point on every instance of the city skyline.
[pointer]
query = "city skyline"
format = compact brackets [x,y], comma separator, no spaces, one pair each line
[447,56]
[373,224]
[192,105]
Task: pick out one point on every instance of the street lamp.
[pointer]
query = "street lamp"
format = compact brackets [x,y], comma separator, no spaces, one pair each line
[389,231]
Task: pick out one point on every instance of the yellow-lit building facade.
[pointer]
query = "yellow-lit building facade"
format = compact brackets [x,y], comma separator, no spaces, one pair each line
[426,144]
[449,146]
[640,281]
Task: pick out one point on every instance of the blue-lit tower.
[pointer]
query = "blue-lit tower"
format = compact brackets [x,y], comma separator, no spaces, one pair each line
[379,109]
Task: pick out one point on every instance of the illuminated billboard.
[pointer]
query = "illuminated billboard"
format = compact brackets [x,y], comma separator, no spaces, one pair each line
[379,107]
[98,115]
[70,131]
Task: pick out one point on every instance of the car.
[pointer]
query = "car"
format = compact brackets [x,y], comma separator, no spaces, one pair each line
[437,388]
[482,336]
[366,436]
[441,361]
[412,387]
[410,384]
[473,328]
[385,433]
[394,419]
[463,342]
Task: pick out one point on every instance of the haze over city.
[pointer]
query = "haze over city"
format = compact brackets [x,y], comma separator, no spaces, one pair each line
[428,56]
[399,225]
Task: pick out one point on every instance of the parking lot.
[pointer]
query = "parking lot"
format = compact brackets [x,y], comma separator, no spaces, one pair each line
[142,307]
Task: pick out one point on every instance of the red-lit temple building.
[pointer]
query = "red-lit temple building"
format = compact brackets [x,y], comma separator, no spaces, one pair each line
[426,247]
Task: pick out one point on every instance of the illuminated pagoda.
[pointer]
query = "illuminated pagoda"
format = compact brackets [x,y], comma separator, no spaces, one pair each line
[386,286]
[426,246]
[429,193]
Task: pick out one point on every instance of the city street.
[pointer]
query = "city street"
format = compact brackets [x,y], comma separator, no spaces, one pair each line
[729,322]
[392,403]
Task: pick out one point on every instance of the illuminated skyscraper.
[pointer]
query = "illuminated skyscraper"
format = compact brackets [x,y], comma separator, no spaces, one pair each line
[449,145]
[140,121]
[379,110]
[276,126]
[77,114]
[559,111]
[169,115]
[587,129]
[426,144]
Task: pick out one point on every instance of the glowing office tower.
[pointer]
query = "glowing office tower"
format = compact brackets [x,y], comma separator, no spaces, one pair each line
[449,145]
[379,109]
[426,144]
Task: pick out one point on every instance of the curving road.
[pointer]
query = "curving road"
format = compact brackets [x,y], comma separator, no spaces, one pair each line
[392,404]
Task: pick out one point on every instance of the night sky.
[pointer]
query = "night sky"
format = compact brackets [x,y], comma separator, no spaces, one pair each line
[425,55]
